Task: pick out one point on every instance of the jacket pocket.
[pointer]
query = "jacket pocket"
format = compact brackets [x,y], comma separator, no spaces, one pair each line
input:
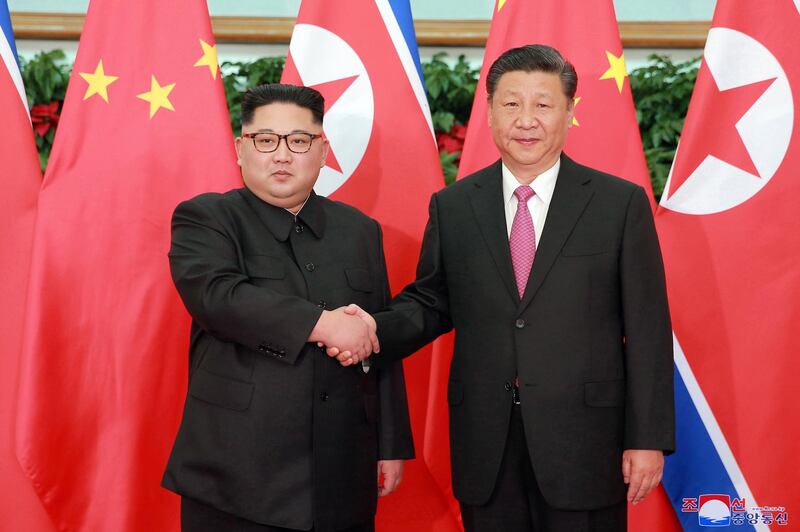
[582,251]
[359,279]
[605,393]
[455,393]
[221,391]
[265,267]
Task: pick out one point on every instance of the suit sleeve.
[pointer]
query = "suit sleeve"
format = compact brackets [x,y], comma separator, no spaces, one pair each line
[649,402]
[394,426]
[421,312]
[220,296]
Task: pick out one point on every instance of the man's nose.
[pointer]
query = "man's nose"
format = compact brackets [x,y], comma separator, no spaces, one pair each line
[527,118]
[282,152]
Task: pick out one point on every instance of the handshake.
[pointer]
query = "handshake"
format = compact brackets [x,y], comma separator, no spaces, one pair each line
[347,333]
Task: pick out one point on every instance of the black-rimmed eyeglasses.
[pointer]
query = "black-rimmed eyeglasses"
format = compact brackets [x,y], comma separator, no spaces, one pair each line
[298,142]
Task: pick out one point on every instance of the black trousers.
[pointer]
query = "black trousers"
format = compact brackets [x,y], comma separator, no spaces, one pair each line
[199,517]
[517,505]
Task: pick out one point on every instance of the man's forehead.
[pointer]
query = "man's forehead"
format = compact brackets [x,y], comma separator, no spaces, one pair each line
[285,113]
[535,82]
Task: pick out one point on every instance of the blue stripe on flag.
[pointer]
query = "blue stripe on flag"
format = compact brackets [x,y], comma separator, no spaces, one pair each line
[5,24]
[695,468]
[402,12]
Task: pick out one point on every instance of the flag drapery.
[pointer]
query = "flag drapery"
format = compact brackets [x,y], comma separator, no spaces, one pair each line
[104,366]
[20,179]
[382,160]
[730,235]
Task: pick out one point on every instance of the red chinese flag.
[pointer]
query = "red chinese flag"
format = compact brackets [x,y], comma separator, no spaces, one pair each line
[383,160]
[604,133]
[104,367]
[730,233]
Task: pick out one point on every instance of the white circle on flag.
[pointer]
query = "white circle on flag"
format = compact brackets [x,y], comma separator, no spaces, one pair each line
[735,59]
[321,56]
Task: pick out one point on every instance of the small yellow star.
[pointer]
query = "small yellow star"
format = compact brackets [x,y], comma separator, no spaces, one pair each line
[575,103]
[158,96]
[209,58]
[98,82]
[500,5]
[616,69]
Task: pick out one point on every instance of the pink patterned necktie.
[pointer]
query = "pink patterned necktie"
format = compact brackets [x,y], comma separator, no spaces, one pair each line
[523,238]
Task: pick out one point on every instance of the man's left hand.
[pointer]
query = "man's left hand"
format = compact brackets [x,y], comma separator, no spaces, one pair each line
[390,473]
[641,469]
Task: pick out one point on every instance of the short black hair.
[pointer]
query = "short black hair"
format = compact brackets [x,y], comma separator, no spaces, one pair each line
[260,95]
[533,58]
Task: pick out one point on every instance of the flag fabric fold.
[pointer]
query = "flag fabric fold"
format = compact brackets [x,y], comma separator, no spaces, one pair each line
[20,179]
[104,368]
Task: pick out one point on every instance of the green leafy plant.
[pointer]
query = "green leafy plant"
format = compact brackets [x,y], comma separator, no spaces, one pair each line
[238,76]
[45,77]
[450,90]
[661,92]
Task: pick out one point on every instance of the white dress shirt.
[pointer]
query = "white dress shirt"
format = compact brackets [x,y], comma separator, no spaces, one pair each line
[538,204]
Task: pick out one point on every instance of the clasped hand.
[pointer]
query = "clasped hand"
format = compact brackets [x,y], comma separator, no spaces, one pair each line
[348,333]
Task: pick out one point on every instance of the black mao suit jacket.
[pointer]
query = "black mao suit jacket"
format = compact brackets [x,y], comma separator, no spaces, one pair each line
[590,340]
[274,430]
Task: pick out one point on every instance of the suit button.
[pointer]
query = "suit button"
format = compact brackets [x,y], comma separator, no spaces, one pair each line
[321,303]
[310,267]
[323,396]
[298,229]
[508,386]
[520,324]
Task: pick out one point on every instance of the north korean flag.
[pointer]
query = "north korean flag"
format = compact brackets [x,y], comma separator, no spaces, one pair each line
[382,160]
[730,235]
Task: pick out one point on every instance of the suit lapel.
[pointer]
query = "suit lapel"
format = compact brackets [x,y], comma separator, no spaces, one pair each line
[486,198]
[570,198]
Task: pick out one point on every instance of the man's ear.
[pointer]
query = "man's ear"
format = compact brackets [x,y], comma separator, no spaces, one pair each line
[237,144]
[570,112]
[325,148]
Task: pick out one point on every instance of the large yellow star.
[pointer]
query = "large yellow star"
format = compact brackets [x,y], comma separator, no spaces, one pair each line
[158,96]
[98,82]
[500,4]
[616,69]
[575,102]
[209,58]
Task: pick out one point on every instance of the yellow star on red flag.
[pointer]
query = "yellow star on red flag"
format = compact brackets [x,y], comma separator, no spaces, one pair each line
[158,96]
[98,82]
[500,4]
[209,58]
[616,69]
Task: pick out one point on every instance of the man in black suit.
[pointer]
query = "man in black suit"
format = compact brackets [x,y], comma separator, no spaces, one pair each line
[275,435]
[560,387]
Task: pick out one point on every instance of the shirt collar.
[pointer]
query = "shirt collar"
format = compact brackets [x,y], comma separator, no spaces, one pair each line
[543,185]
[280,221]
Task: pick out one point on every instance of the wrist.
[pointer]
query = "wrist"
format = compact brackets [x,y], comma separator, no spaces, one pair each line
[320,330]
